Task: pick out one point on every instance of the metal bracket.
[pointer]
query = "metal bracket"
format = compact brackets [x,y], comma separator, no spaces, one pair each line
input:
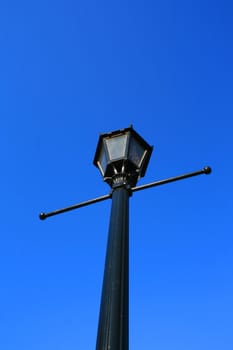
[206,170]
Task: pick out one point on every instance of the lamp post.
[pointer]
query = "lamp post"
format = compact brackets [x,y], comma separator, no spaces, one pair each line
[122,157]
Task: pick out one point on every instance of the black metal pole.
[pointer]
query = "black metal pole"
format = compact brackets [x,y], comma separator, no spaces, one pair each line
[44,216]
[114,307]
[206,170]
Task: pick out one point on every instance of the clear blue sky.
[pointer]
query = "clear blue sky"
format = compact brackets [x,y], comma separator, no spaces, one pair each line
[70,70]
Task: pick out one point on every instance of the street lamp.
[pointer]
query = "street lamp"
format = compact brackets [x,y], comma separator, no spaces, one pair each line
[122,157]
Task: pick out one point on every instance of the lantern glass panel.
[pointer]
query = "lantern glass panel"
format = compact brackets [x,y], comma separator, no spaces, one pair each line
[136,152]
[116,147]
[103,159]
